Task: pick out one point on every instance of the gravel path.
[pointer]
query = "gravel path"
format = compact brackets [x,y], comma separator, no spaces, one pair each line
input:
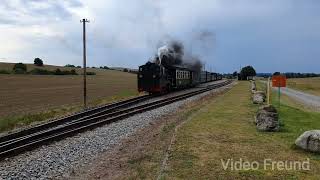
[304,98]
[60,159]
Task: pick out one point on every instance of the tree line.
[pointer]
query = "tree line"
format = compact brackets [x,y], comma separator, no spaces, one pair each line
[297,75]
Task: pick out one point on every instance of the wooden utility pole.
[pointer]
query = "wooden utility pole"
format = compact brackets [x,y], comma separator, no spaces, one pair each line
[83,21]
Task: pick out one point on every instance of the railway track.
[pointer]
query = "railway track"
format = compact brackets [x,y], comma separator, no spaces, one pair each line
[31,138]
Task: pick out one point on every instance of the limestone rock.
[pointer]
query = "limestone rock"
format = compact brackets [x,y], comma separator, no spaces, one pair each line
[267,119]
[310,141]
[258,97]
[253,86]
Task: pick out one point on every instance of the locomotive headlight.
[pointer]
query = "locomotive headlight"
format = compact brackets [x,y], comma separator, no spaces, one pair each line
[154,76]
[140,76]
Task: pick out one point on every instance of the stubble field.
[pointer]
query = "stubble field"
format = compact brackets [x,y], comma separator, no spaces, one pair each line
[25,94]
[308,85]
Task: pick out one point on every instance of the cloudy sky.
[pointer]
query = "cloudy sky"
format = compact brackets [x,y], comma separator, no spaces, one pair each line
[271,35]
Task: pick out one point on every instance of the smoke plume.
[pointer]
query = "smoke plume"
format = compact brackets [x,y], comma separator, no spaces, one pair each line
[173,54]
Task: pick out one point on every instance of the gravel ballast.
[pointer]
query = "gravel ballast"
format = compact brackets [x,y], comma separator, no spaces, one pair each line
[60,159]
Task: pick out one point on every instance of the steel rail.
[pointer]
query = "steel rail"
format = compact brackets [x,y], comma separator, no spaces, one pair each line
[34,140]
[105,108]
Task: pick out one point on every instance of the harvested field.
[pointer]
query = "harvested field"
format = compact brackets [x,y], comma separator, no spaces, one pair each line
[21,94]
[308,85]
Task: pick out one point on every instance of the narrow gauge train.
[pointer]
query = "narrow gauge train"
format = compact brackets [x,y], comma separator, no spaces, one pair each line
[154,78]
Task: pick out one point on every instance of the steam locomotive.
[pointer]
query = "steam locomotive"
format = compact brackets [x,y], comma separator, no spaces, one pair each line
[156,78]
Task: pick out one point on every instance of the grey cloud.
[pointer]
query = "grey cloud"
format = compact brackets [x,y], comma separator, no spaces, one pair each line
[22,12]
[223,33]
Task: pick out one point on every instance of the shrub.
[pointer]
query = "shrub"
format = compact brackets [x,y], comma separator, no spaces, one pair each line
[91,73]
[38,62]
[5,72]
[20,68]
[38,71]
[73,72]
[125,70]
[58,72]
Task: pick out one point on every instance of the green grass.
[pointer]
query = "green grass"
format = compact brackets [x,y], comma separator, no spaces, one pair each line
[295,120]
[12,122]
[224,129]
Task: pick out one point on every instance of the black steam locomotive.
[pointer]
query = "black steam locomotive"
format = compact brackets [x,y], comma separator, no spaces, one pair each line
[156,78]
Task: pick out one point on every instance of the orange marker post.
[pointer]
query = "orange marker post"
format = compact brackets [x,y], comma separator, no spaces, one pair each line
[279,81]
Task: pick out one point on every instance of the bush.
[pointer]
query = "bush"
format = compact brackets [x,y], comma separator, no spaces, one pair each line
[73,72]
[5,72]
[58,72]
[78,66]
[37,71]
[125,70]
[38,62]
[91,73]
[20,68]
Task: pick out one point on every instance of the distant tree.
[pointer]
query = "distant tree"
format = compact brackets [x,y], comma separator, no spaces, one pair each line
[20,68]
[106,67]
[78,66]
[70,65]
[38,62]
[276,73]
[246,72]
[235,74]
[125,70]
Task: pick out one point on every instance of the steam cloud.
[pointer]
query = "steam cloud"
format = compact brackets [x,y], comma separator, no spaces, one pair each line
[173,54]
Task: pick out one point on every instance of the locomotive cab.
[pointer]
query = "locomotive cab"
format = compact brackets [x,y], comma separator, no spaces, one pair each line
[152,78]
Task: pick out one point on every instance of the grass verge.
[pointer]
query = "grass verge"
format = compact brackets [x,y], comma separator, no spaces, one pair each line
[12,122]
[224,130]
